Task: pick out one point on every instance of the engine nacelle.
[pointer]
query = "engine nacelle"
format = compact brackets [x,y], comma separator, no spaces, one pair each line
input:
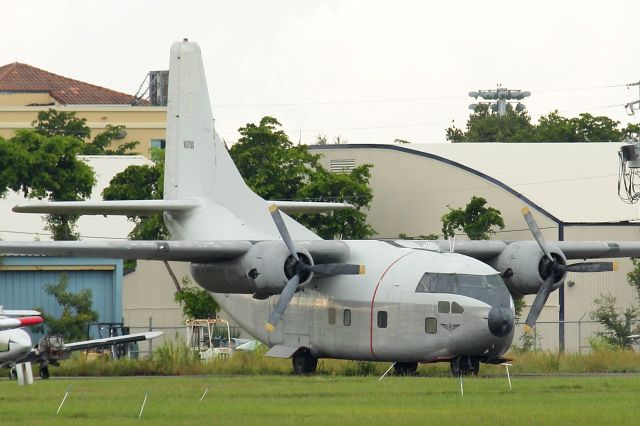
[523,266]
[262,271]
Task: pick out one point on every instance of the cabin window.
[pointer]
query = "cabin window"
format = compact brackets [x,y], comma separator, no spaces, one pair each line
[332,316]
[382,319]
[346,318]
[444,307]
[456,308]
[4,346]
[431,325]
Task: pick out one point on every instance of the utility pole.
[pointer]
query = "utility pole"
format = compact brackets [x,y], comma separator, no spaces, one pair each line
[500,95]
[634,106]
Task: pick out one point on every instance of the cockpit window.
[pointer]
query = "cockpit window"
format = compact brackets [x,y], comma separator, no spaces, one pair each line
[456,283]
[4,346]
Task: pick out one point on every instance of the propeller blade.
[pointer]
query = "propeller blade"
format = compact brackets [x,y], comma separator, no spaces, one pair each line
[285,297]
[592,267]
[282,229]
[535,230]
[538,303]
[329,269]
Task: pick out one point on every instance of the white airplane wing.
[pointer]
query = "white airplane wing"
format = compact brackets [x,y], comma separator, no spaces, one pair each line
[108,341]
[9,323]
[185,251]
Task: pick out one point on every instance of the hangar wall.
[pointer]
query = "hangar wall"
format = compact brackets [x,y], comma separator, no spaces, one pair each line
[413,191]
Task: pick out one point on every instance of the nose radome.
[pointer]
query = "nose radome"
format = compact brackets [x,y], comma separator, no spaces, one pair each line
[501,321]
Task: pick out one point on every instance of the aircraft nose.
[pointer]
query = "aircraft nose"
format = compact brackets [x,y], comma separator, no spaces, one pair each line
[501,321]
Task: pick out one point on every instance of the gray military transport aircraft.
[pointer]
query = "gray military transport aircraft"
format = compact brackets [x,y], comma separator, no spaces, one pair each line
[308,298]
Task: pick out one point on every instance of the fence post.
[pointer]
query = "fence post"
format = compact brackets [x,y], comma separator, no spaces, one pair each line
[151,340]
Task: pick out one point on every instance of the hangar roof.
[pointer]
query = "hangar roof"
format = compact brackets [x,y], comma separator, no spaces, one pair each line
[28,227]
[570,182]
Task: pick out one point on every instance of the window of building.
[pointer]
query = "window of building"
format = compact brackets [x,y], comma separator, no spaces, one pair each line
[332,316]
[431,325]
[346,318]
[382,319]
[456,308]
[444,307]
[158,143]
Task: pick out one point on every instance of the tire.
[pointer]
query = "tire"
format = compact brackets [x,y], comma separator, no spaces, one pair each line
[44,373]
[405,368]
[465,366]
[13,374]
[304,362]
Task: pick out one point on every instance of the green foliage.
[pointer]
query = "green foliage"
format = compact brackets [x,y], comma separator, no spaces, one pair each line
[633,277]
[76,312]
[617,326]
[519,305]
[141,183]
[48,167]
[475,220]
[269,163]
[404,236]
[353,186]
[100,144]
[485,125]
[61,123]
[276,169]
[196,303]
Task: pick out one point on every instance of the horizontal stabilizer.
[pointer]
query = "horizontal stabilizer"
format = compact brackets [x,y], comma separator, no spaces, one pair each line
[309,206]
[120,207]
[151,207]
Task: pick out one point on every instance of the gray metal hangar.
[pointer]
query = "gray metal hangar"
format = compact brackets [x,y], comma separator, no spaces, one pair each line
[571,189]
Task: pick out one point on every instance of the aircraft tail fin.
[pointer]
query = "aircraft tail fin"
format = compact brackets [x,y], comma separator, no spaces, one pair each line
[198,165]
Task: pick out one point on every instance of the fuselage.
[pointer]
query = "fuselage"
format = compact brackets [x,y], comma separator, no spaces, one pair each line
[15,344]
[410,305]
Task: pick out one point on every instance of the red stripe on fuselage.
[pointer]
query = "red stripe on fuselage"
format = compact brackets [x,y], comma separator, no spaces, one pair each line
[373,298]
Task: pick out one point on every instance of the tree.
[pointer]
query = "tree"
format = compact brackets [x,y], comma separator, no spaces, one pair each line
[196,303]
[618,327]
[484,125]
[276,169]
[76,312]
[475,220]
[141,183]
[45,166]
[352,187]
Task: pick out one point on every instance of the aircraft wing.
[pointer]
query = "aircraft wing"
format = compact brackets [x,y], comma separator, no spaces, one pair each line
[486,249]
[9,323]
[323,251]
[151,207]
[108,341]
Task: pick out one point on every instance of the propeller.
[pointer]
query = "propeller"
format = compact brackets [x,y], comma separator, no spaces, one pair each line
[301,269]
[553,270]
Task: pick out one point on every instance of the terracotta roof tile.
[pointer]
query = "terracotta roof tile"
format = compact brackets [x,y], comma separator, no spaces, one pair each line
[17,77]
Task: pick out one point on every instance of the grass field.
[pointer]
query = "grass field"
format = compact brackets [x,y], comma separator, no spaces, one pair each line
[288,400]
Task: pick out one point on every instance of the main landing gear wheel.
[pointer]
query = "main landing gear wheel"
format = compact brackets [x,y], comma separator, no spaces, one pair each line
[304,362]
[405,368]
[44,372]
[13,374]
[465,366]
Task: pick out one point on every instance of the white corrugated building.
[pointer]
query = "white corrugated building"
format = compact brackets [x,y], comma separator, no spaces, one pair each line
[571,189]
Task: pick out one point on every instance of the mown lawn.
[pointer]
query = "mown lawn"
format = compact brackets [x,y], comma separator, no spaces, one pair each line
[289,400]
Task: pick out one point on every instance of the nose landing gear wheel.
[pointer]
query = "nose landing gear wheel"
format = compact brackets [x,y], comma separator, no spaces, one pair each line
[44,372]
[465,366]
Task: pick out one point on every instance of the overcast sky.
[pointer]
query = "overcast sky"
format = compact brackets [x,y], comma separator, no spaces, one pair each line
[370,71]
